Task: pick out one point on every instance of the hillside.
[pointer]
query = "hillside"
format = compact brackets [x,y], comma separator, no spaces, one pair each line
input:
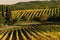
[32,5]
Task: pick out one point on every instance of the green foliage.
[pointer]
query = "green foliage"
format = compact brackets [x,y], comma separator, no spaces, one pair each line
[8,17]
[24,18]
[37,19]
[2,20]
[33,5]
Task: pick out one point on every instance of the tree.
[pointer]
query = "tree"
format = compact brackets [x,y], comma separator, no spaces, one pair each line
[8,18]
[1,20]
[2,16]
[43,17]
[2,11]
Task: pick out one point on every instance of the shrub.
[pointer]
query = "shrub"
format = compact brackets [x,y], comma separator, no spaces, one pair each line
[44,17]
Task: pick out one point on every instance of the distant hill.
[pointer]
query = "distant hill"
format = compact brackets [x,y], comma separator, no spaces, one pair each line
[32,5]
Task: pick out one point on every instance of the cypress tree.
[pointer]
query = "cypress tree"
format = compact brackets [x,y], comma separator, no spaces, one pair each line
[8,18]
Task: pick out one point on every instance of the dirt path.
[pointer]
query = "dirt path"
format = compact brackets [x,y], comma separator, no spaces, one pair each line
[27,23]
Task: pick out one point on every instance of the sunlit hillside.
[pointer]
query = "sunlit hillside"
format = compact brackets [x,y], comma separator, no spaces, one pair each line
[33,20]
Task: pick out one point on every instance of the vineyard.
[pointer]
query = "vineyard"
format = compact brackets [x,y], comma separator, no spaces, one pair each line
[30,20]
[30,14]
[35,32]
[31,31]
